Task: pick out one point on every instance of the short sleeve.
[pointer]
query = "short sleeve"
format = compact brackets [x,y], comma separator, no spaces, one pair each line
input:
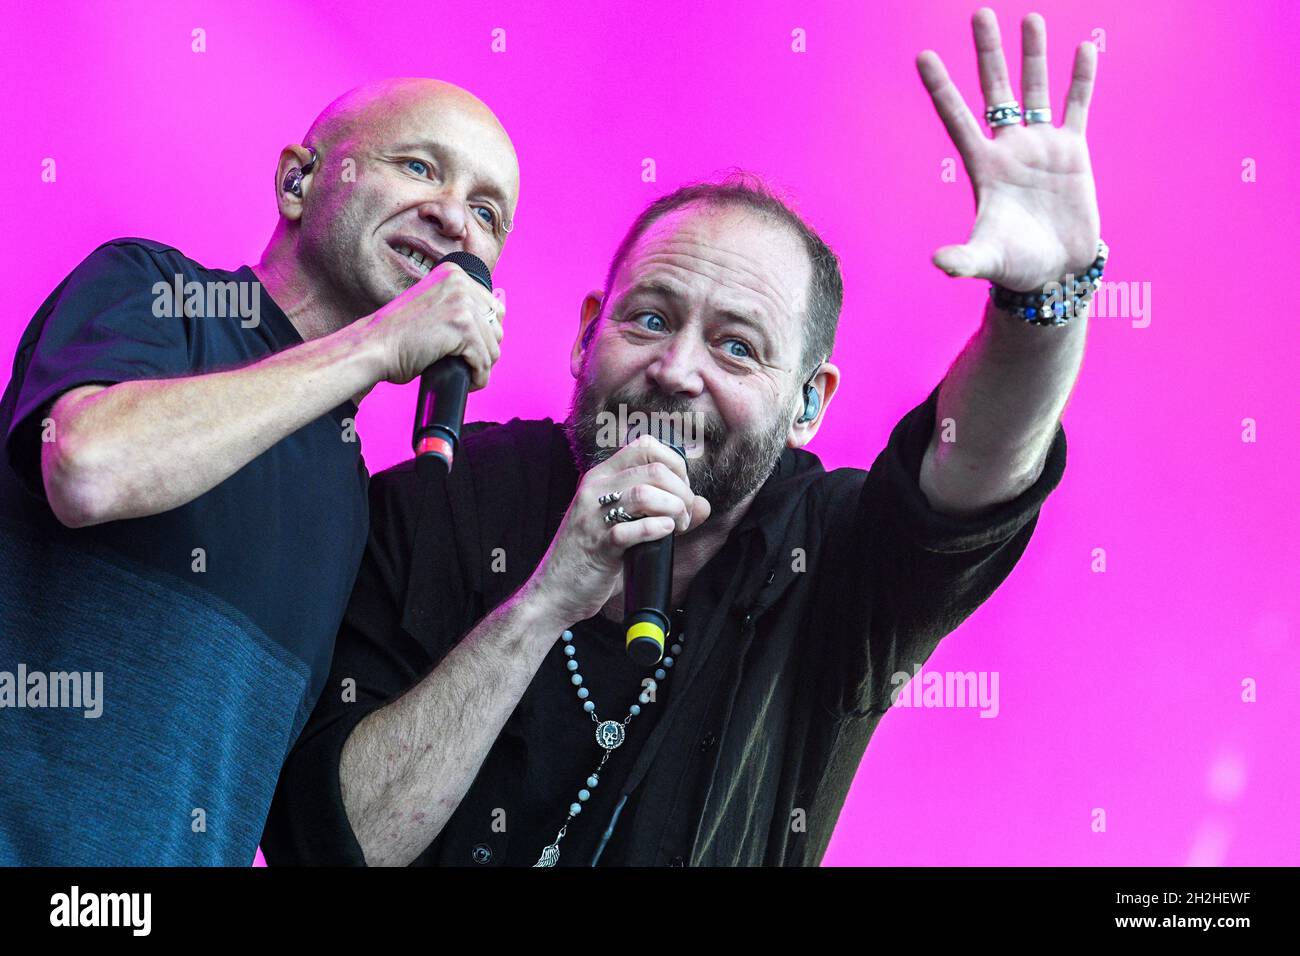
[98,327]
[911,574]
[375,661]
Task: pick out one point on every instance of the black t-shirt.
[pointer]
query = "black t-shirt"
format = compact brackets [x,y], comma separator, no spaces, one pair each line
[211,624]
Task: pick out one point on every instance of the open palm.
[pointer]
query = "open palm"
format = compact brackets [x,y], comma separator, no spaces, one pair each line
[1036,203]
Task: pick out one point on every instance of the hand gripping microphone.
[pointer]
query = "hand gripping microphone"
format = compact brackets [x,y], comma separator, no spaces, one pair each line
[444,385]
[648,583]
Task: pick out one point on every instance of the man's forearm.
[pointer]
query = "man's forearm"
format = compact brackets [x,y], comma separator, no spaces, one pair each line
[1004,396]
[405,768]
[145,447]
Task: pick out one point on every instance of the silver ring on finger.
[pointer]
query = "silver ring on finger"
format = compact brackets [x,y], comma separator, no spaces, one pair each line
[1043,115]
[617,516]
[610,498]
[1003,114]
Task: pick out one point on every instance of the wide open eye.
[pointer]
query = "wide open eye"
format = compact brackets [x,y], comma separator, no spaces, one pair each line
[652,315]
[749,352]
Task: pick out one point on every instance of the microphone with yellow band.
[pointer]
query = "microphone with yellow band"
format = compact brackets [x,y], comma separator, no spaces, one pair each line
[648,580]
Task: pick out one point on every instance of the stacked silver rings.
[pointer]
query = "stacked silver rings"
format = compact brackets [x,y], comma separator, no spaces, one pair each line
[1009,114]
[616,515]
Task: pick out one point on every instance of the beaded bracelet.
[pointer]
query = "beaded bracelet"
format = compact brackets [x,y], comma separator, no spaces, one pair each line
[1059,301]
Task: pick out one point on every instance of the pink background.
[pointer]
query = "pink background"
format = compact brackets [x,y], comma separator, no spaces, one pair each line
[1119,690]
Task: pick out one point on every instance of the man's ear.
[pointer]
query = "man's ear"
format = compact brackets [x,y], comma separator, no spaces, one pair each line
[586,317]
[827,382]
[290,204]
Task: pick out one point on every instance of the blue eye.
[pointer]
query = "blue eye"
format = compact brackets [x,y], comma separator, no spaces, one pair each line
[418,162]
[749,353]
[653,315]
[491,219]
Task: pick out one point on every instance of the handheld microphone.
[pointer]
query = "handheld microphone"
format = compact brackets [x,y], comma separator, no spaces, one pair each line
[648,586]
[444,386]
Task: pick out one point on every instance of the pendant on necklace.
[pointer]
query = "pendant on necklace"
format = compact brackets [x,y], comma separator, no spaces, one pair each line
[609,734]
[550,856]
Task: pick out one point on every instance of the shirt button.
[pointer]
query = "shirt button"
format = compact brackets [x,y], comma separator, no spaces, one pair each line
[482,853]
[707,741]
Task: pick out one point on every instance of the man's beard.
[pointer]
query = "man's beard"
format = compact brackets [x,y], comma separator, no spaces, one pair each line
[728,468]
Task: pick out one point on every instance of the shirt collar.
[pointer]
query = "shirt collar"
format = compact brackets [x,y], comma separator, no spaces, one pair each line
[771,512]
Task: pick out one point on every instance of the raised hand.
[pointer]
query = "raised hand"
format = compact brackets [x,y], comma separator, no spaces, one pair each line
[1036,213]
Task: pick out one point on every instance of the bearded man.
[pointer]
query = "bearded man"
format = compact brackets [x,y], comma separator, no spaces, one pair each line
[482,708]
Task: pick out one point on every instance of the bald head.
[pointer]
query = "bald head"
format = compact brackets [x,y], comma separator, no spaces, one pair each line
[374,112]
[409,169]
[364,111]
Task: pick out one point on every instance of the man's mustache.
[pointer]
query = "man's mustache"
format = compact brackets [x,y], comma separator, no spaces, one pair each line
[709,430]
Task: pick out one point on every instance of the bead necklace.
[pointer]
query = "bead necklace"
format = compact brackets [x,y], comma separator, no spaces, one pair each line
[610,734]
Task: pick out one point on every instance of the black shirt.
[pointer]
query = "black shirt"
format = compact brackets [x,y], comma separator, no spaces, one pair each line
[832,583]
[561,749]
[211,624]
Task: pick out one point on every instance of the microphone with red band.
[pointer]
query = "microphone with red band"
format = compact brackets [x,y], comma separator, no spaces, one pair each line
[444,386]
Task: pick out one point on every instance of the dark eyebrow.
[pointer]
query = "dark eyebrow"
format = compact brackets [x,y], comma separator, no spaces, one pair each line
[449,154]
[669,291]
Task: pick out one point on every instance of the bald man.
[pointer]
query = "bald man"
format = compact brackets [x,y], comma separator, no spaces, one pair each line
[185,507]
